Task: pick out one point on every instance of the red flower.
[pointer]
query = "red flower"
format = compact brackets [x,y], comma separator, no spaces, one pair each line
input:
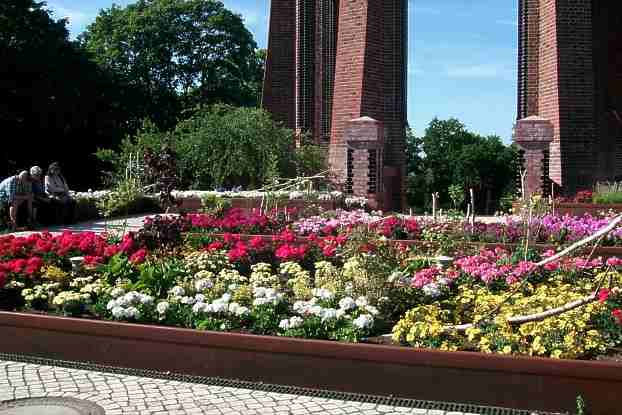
[33,265]
[139,256]
[257,242]
[215,246]
[238,252]
[93,260]
[110,251]
[230,238]
[603,295]
[328,251]
[617,314]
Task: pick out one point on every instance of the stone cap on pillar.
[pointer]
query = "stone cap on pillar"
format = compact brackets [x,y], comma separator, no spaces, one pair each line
[364,129]
[534,130]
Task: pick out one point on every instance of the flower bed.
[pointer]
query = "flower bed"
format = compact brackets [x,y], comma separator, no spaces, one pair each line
[343,287]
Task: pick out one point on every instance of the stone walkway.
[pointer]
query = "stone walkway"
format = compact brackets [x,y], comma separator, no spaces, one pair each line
[122,394]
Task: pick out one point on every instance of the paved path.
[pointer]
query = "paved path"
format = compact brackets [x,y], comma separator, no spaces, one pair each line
[123,394]
[119,225]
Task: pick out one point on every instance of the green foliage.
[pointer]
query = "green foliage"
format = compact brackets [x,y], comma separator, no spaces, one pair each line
[214,205]
[310,160]
[216,146]
[456,194]
[607,193]
[52,91]
[158,275]
[450,155]
[127,198]
[178,53]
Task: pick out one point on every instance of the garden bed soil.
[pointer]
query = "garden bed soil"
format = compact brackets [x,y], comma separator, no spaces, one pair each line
[516,382]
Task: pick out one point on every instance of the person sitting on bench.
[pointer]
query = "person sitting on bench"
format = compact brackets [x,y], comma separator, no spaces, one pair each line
[15,191]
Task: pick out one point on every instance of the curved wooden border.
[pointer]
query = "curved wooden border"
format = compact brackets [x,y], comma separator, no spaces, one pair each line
[516,382]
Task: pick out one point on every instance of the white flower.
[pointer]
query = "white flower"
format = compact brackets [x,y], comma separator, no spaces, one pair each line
[177,291]
[238,310]
[295,322]
[146,299]
[363,321]
[187,300]
[362,302]
[432,290]
[372,310]
[199,298]
[329,314]
[132,312]
[226,297]
[162,307]
[202,285]
[111,305]
[347,303]
[340,314]
[118,312]
[260,301]
[323,293]
[117,292]
[198,307]
[284,324]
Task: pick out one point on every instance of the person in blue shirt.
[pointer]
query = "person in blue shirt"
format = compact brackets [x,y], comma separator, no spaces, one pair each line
[14,192]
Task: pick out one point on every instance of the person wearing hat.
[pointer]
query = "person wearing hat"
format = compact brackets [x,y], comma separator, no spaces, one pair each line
[16,191]
[57,189]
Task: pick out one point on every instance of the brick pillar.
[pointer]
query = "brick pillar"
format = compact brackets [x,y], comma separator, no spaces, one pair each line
[279,87]
[534,135]
[364,159]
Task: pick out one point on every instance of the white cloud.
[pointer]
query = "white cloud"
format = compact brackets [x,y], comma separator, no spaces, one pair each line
[479,71]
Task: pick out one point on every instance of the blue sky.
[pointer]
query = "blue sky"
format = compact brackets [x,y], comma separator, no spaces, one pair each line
[462,56]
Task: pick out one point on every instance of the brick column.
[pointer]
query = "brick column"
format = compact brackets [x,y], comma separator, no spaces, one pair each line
[364,159]
[534,135]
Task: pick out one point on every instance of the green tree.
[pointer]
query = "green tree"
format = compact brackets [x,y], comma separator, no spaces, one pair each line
[180,53]
[449,156]
[52,93]
[218,146]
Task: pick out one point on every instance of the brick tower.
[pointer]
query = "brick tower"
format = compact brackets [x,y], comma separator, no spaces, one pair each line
[570,74]
[331,62]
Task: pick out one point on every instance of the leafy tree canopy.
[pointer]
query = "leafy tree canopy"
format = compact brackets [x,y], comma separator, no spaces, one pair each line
[448,155]
[179,52]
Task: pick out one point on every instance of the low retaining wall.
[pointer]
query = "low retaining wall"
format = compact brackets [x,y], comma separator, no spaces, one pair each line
[193,204]
[580,209]
[602,251]
[522,383]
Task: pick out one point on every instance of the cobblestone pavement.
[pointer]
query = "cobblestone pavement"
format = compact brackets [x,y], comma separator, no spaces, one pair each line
[122,394]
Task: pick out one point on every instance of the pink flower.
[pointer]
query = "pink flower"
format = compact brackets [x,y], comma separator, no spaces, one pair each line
[617,314]
[603,295]
[127,245]
[614,262]
[238,252]
[139,256]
